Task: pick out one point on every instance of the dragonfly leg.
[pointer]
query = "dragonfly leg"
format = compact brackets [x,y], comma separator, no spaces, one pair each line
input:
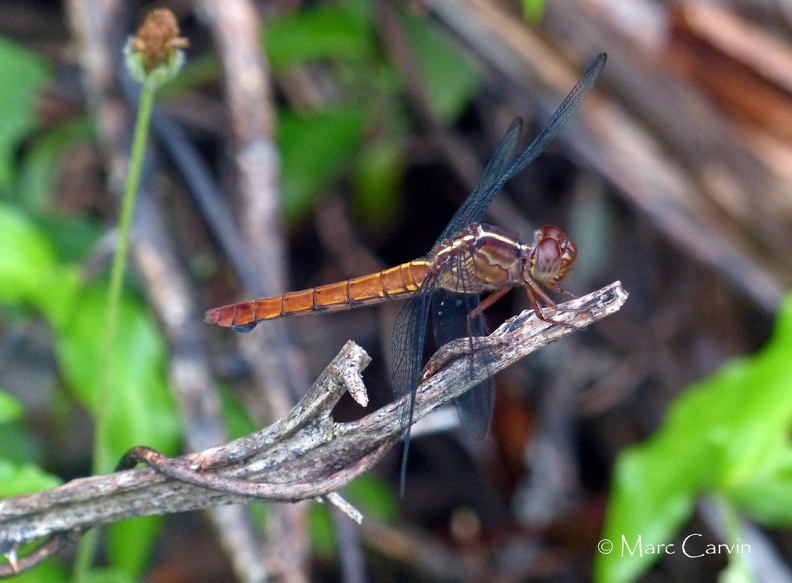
[488,301]
[534,291]
[559,290]
[444,355]
[479,310]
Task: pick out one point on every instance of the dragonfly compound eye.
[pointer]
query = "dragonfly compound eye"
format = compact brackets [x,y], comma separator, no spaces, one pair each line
[553,255]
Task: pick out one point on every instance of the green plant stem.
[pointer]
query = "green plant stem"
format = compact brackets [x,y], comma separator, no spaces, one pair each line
[84,557]
[102,459]
[738,569]
[101,462]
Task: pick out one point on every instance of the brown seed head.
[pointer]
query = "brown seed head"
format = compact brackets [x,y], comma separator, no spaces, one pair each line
[157,38]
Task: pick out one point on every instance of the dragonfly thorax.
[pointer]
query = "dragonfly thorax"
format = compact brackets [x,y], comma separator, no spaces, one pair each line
[479,258]
[485,258]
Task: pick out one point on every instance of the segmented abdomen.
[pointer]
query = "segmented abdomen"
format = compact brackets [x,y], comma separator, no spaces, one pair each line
[391,284]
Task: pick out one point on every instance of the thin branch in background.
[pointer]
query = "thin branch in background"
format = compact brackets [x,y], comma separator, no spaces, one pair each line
[278,367]
[169,288]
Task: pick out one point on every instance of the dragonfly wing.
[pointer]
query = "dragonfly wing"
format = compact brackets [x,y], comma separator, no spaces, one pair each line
[407,346]
[503,156]
[450,313]
[451,319]
[475,408]
[504,166]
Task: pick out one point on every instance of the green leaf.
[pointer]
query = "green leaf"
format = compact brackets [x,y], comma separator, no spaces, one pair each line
[727,435]
[35,187]
[449,80]
[321,531]
[27,257]
[768,497]
[72,238]
[20,443]
[16,479]
[237,419]
[22,76]
[107,576]
[10,408]
[533,10]
[374,497]
[29,272]
[315,33]
[315,149]
[141,410]
[129,545]
[377,179]
[50,571]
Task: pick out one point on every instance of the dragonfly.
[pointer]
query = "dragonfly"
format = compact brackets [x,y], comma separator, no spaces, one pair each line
[470,258]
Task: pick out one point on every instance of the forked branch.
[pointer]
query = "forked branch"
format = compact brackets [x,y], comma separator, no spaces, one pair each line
[304,455]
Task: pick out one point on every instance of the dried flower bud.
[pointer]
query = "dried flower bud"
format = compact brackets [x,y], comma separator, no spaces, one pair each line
[154,52]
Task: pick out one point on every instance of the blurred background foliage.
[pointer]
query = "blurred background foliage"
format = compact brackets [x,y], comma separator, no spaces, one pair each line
[672,420]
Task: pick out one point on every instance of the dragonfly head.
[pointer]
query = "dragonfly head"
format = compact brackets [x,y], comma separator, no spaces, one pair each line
[551,256]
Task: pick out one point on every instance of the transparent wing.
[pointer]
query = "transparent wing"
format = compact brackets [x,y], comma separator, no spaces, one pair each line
[501,168]
[503,156]
[451,320]
[407,346]
[474,407]
[451,310]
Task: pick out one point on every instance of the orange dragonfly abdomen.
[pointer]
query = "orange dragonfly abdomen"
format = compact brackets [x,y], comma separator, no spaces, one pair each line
[390,284]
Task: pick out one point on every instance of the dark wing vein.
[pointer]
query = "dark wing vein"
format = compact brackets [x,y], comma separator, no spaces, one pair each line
[451,309]
[407,346]
[497,173]
[451,320]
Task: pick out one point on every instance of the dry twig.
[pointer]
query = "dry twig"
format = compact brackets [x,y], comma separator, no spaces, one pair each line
[304,455]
